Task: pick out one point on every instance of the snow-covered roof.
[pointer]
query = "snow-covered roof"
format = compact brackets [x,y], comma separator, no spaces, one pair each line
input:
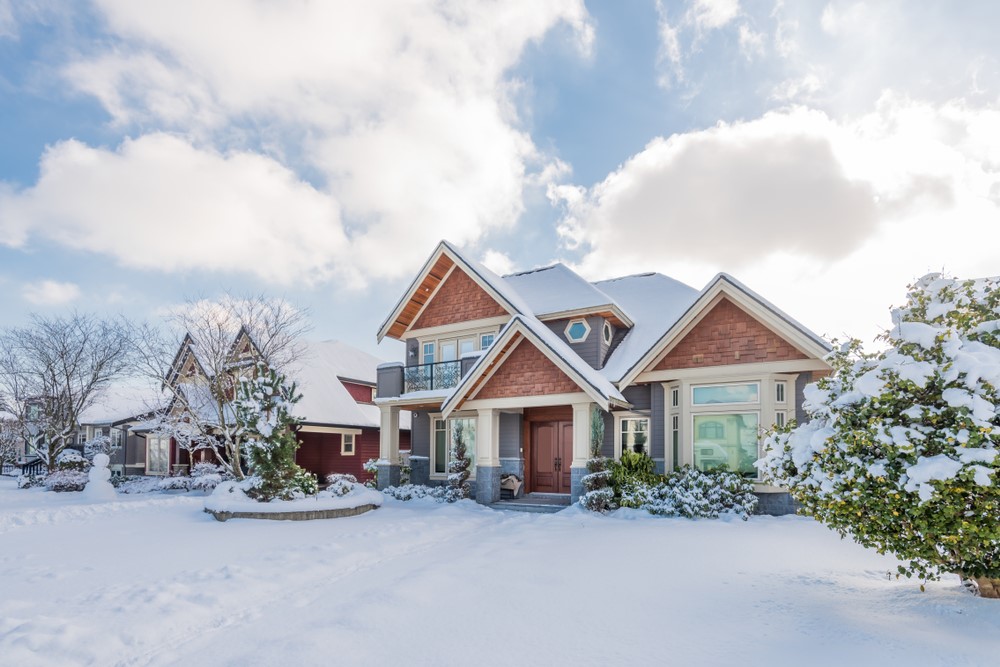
[557,289]
[325,400]
[655,303]
[123,400]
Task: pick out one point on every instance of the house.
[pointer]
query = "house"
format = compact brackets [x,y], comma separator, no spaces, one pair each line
[339,420]
[690,376]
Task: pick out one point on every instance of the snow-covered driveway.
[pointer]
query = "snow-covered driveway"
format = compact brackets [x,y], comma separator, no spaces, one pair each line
[152,580]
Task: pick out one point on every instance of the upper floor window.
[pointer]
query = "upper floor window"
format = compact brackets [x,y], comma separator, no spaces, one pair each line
[607,333]
[779,392]
[577,331]
[428,353]
[721,394]
[486,340]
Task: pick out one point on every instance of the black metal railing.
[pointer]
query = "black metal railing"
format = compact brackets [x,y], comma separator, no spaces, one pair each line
[441,375]
[34,468]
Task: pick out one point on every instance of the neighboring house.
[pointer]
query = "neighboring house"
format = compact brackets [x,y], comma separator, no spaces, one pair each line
[689,376]
[340,421]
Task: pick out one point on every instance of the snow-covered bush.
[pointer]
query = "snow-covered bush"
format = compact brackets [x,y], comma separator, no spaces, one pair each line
[100,444]
[691,493]
[30,481]
[135,484]
[264,408]
[458,466]
[206,476]
[70,473]
[340,484]
[598,495]
[411,491]
[900,451]
[371,467]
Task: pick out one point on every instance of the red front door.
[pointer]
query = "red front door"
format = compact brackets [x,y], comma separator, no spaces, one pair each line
[552,454]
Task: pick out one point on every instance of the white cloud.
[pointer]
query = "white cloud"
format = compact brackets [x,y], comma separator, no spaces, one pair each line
[834,215]
[498,262]
[50,293]
[751,42]
[160,203]
[713,14]
[403,117]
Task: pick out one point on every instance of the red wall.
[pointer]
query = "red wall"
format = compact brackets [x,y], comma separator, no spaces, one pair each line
[359,392]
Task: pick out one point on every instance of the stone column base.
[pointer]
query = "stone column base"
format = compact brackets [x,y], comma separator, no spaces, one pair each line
[487,484]
[420,470]
[576,483]
[388,475]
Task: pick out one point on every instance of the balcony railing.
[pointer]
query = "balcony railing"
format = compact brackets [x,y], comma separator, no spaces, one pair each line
[442,375]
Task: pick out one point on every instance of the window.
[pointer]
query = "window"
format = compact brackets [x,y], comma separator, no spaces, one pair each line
[779,418]
[116,437]
[675,397]
[443,437]
[157,455]
[486,340]
[347,444]
[726,393]
[429,353]
[577,331]
[608,333]
[779,392]
[727,441]
[634,434]
[675,440]
[374,395]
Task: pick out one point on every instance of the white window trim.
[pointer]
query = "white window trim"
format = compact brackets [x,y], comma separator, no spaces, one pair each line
[622,416]
[607,333]
[586,332]
[713,406]
[476,335]
[343,443]
[471,453]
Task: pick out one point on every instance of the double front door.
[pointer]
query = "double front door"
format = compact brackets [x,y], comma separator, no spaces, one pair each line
[552,456]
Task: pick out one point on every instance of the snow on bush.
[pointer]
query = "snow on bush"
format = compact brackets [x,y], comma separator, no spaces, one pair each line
[458,466]
[70,473]
[691,493]
[900,450]
[598,495]
[340,484]
[100,444]
[371,467]
[411,491]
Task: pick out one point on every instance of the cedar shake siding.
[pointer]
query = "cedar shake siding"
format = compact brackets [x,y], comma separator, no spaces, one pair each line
[527,372]
[728,335]
[458,299]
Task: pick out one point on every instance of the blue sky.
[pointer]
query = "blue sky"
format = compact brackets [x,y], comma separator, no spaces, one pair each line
[825,153]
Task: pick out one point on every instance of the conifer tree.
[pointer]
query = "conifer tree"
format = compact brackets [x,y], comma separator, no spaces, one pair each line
[458,467]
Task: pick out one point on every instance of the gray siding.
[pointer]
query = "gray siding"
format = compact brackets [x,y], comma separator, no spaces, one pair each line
[657,422]
[510,435]
[420,434]
[590,350]
[639,396]
[800,386]
[608,447]
[412,352]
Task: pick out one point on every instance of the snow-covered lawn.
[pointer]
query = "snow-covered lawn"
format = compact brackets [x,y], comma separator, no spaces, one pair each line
[153,580]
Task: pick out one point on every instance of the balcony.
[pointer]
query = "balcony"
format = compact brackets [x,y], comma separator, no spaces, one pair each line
[396,380]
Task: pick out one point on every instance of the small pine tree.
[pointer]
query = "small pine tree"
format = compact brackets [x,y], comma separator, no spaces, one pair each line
[458,467]
[598,496]
[264,409]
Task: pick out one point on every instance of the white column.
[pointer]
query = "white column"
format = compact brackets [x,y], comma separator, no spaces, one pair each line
[488,438]
[581,434]
[388,445]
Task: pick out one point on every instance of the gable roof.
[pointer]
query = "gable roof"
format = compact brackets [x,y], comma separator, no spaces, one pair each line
[797,334]
[557,290]
[433,273]
[589,380]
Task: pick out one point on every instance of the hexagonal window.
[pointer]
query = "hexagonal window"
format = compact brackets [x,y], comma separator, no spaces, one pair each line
[577,331]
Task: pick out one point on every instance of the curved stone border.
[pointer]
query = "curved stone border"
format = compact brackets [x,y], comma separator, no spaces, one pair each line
[303,515]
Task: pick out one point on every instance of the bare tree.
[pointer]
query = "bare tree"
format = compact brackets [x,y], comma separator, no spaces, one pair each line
[10,440]
[54,369]
[209,345]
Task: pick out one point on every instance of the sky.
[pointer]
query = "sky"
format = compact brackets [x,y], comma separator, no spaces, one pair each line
[826,153]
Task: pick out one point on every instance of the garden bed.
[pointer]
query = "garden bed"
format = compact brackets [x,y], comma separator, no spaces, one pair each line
[228,501]
[293,515]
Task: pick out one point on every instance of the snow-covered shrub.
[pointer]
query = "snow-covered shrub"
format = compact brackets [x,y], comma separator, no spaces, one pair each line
[339,484]
[691,493]
[100,444]
[264,408]
[70,473]
[135,484]
[371,467]
[598,495]
[411,491]
[175,483]
[901,449]
[206,476]
[458,466]
[29,481]
[632,467]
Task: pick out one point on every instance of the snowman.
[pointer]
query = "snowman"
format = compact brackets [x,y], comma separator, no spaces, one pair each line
[99,487]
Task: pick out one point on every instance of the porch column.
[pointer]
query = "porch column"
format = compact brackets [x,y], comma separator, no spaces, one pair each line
[488,457]
[388,449]
[581,448]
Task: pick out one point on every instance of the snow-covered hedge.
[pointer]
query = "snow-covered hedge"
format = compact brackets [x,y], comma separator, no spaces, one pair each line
[340,484]
[411,491]
[692,493]
[70,473]
[900,450]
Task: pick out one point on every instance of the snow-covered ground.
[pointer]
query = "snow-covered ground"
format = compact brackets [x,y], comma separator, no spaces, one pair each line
[153,580]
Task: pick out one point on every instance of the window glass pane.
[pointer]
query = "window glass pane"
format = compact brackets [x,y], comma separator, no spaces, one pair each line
[428,353]
[449,351]
[577,331]
[635,434]
[440,447]
[779,392]
[726,441]
[675,397]
[466,345]
[726,393]
[485,341]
